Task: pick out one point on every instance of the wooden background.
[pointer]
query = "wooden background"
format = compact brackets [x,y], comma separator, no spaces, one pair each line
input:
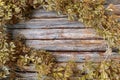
[65,39]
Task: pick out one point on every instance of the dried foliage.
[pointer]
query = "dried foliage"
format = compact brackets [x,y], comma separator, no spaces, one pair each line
[42,60]
[93,14]
[7,49]
[89,71]
[15,56]
[12,11]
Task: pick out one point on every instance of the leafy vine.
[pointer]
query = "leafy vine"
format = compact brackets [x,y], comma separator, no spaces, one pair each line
[91,12]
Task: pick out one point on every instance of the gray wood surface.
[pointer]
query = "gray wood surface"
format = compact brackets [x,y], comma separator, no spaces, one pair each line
[52,32]
[26,76]
[66,40]
[48,24]
[46,14]
[68,45]
[113,1]
[83,56]
[55,34]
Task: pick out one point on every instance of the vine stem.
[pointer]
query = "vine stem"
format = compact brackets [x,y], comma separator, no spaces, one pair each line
[108,52]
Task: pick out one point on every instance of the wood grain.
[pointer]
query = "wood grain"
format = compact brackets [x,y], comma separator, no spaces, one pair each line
[56,34]
[48,23]
[27,76]
[48,27]
[112,1]
[81,57]
[68,45]
[41,13]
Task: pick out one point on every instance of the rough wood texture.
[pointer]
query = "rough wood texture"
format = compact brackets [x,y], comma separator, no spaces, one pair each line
[83,56]
[55,34]
[112,1]
[48,24]
[67,40]
[68,45]
[46,14]
[52,32]
[27,76]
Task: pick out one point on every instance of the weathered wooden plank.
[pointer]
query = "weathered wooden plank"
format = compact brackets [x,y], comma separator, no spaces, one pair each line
[47,19]
[56,33]
[112,1]
[68,45]
[45,26]
[41,13]
[78,57]
[27,76]
[48,23]
[118,6]
[81,57]
[52,22]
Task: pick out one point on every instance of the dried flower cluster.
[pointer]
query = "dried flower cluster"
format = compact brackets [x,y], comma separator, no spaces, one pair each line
[91,12]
